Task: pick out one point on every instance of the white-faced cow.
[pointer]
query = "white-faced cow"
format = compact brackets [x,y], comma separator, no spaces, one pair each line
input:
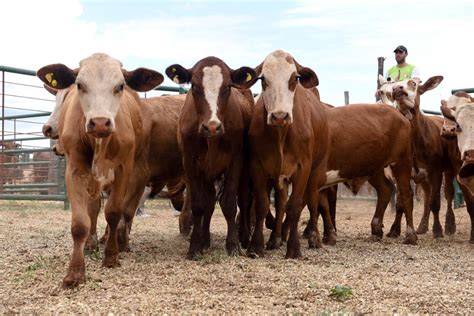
[100,131]
[460,109]
[432,151]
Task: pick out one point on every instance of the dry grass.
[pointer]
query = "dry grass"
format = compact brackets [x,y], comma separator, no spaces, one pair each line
[435,276]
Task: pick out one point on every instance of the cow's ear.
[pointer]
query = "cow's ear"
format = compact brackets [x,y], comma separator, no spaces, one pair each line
[179,74]
[50,90]
[430,84]
[447,111]
[382,80]
[142,79]
[57,76]
[308,77]
[243,78]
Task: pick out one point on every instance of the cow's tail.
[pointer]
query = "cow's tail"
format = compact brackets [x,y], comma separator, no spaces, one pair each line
[417,176]
[170,193]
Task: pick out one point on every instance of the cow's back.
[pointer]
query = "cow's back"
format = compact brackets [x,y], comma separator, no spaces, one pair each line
[161,121]
[368,135]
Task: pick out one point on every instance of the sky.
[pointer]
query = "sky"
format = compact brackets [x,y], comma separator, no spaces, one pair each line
[339,39]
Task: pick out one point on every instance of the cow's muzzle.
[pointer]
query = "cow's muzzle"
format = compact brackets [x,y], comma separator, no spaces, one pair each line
[448,131]
[279,118]
[212,129]
[100,127]
[48,131]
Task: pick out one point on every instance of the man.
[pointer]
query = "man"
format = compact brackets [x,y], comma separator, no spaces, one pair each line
[402,70]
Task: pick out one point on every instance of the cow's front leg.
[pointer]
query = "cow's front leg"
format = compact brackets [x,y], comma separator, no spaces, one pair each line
[77,182]
[113,213]
[293,209]
[228,202]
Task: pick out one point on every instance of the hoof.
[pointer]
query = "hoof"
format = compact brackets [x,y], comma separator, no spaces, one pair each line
[274,243]
[255,253]
[376,238]
[438,234]
[330,239]
[74,278]
[393,233]
[293,253]
[411,240]
[450,229]
[233,249]
[314,241]
[111,262]
[378,234]
[91,246]
[421,230]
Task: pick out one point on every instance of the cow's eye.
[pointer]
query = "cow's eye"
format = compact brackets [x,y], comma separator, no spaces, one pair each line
[119,88]
[458,128]
[81,87]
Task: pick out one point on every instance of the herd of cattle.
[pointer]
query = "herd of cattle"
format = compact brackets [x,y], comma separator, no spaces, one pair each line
[219,143]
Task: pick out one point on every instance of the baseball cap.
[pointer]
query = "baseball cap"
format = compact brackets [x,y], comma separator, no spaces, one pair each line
[401,48]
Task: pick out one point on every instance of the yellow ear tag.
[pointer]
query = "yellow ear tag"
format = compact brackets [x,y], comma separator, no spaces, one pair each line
[173,70]
[249,77]
[54,83]
[49,77]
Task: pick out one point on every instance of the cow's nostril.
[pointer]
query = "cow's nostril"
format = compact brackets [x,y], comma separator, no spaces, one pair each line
[91,124]
[108,123]
[287,116]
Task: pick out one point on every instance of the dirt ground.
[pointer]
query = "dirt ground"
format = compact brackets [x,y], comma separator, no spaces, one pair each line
[436,276]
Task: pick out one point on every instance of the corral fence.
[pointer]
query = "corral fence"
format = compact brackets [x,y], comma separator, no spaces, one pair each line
[29,170]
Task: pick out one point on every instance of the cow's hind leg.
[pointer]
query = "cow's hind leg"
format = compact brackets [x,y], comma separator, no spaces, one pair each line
[450,220]
[402,172]
[93,208]
[425,219]
[262,207]
[281,196]
[384,188]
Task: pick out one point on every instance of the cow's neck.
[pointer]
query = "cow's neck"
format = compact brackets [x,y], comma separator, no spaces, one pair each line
[419,124]
[103,169]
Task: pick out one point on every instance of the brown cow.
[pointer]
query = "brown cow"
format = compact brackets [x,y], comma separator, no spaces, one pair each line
[460,109]
[275,149]
[100,130]
[288,141]
[212,130]
[430,126]
[160,124]
[432,151]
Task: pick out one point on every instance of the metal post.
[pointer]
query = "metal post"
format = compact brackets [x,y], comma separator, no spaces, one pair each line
[3,131]
[380,61]
[346,97]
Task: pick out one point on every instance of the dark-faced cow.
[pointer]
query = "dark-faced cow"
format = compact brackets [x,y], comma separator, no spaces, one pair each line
[212,131]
